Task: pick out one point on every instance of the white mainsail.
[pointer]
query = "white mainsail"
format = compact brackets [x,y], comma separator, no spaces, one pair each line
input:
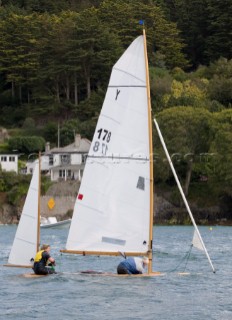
[25,242]
[112,210]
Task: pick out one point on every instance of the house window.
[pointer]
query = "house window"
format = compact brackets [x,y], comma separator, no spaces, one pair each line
[62,173]
[12,159]
[84,157]
[65,159]
[3,159]
[51,160]
[69,173]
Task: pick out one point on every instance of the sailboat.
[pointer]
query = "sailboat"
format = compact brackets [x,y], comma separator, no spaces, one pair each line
[113,213]
[27,237]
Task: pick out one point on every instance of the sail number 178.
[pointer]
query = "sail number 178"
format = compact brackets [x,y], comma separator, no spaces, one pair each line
[103,135]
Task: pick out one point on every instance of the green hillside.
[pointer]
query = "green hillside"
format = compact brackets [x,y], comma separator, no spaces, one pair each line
[55,62]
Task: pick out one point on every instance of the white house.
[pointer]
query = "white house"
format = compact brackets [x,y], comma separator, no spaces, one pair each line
[65,163]
[9,162]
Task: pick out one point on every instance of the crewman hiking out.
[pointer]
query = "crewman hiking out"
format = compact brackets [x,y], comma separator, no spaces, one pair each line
[133,265]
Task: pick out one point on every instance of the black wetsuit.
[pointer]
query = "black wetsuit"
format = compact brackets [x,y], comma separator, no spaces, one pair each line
[40,266]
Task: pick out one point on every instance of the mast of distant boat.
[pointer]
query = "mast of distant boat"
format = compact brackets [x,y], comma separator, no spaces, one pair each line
[150,154]
[39,192]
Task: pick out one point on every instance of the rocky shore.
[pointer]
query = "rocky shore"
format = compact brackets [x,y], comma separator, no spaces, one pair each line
[165,213]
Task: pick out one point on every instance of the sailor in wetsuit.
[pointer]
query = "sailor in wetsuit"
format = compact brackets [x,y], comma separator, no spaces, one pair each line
[43,262]
[132,265]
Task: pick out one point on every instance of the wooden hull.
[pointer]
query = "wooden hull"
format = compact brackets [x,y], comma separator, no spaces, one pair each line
[33,275]
[111,274]
[105,274]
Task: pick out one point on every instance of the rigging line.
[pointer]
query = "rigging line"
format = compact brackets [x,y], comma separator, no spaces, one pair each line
[188,256]
[123,254]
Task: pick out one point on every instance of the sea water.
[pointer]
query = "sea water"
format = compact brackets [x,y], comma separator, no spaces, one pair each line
[196,294]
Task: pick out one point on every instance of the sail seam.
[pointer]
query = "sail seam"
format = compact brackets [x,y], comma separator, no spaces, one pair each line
[103,115]
[129,74]
[24,240]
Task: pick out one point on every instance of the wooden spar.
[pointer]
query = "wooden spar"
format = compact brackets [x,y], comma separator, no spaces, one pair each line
[103,253]
[38,216]
[16,265]
[151,153]
[182,193]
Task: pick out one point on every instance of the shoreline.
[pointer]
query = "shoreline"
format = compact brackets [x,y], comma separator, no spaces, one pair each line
[213,224]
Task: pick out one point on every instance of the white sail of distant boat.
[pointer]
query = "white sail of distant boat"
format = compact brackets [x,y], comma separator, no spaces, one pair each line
[196,242]
[26,239]
[113,213]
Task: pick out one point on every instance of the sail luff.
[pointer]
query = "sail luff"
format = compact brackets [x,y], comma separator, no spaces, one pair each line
[182,193]
[38,213]
[150,153]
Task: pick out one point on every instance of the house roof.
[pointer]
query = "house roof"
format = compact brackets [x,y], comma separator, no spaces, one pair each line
[9,154]
[80,145]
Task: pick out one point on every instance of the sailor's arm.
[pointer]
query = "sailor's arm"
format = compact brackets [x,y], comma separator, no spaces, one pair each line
[52,260]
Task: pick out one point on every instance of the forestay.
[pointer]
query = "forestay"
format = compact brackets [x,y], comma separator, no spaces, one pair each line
[25,241]
[112,209]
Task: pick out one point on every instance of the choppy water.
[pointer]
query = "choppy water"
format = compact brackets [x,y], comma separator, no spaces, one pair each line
[200,295]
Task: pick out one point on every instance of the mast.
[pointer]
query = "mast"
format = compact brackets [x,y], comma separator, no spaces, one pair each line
[38,214]
[150,153]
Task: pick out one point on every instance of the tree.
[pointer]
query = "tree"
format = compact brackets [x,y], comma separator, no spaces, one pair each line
[18,54]
[221,147]
[91,52]
[220,84]
[68,132]
[219,22]
[162,35]
[27,144]
[187,93]
[188,133]
[204,27]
